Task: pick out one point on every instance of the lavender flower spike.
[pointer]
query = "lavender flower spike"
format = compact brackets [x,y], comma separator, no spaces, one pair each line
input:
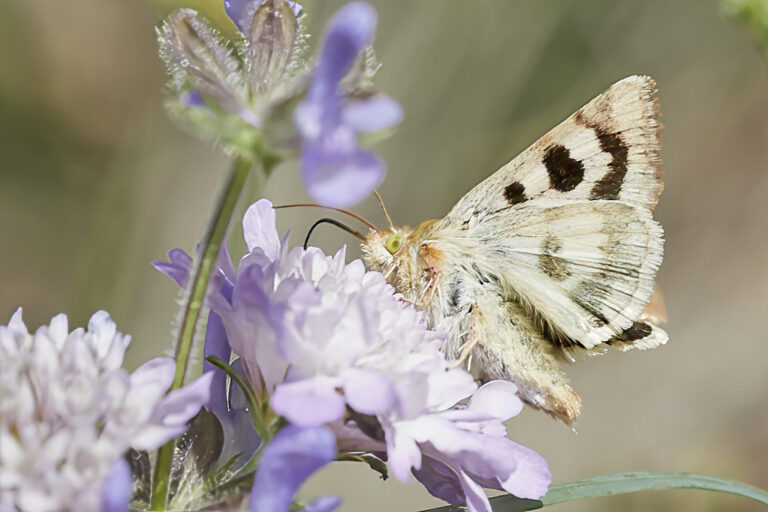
[336,171]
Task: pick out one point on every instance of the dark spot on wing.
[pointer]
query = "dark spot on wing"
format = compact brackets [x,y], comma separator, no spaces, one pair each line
[637,331]
[552,265]
[609,186]
[565,173]
[514,193]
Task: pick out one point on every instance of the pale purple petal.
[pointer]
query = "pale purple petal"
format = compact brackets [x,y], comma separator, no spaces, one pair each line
[237,10]
[117,488]
[308,402]
[369,391]
[324,504]
[498,398]
[216,345]
[373,114]
[350,30]
[180,405]
[170,416]
[476,500]
[340,180]
[177,268]
[440,480]
[259,229]
[292,456]
[157,372]
[403,454]
[531,477]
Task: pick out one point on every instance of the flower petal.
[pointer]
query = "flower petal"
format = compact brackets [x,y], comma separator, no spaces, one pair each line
[350,30]
[177,268]
[324,504]
[237,10]
[531,477]
[259,229]
[171,414]
[369,391]
[498,398]
[309,402]
[440,480]
[476,500]
[117,488]
[340,179]
[216,345]
[373,114]
[288,461]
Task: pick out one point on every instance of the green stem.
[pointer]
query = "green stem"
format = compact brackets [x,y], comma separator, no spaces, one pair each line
[206,262]
[621,483]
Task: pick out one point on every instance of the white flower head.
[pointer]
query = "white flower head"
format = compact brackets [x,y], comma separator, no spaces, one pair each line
[69,411]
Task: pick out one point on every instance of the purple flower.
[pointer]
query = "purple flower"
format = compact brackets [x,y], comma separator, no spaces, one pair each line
[69,411]
[336,171]
[288,461]
[328,344]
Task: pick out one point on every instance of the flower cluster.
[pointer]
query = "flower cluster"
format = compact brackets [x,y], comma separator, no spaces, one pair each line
[329,345]
[309,358]
[68,413]
[261,99]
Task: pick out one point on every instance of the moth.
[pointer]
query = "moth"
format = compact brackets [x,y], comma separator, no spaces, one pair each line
[553,254]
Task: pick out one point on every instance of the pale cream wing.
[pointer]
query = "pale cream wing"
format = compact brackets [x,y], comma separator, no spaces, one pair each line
[584,270]
[608,150]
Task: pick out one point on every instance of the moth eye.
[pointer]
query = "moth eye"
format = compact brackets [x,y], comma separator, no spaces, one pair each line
[393,242]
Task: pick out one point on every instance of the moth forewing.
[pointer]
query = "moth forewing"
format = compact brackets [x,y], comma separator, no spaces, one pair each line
[556,250]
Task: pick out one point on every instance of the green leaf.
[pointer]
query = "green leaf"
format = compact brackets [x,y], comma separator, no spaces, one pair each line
[622,483]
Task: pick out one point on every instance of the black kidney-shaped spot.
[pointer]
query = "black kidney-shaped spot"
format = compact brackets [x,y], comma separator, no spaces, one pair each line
[565,173]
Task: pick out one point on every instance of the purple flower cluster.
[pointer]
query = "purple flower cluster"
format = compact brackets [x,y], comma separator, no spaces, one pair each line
[69,412]
[259,95]
[332,347]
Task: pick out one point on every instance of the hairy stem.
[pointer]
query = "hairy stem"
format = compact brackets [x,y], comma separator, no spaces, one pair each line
[200,276]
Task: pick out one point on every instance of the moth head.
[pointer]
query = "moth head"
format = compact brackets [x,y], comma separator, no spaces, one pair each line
[383,249]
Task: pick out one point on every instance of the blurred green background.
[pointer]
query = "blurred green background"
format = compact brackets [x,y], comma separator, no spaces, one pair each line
[95,182]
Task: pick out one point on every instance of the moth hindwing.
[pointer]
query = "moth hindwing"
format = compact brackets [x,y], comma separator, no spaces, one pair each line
[555,252]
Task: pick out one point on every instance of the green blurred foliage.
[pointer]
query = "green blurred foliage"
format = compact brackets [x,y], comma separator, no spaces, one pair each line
[754,15]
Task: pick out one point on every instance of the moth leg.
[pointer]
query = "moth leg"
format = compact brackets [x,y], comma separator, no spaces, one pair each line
[471,339]
[432,287]
[514,349]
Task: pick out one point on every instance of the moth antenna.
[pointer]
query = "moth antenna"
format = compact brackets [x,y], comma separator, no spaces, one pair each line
[355,216]
[386,213]
[335,223]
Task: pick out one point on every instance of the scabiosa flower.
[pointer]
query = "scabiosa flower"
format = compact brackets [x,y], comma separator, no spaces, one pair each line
[68,413]
[336,170]
[328,344]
